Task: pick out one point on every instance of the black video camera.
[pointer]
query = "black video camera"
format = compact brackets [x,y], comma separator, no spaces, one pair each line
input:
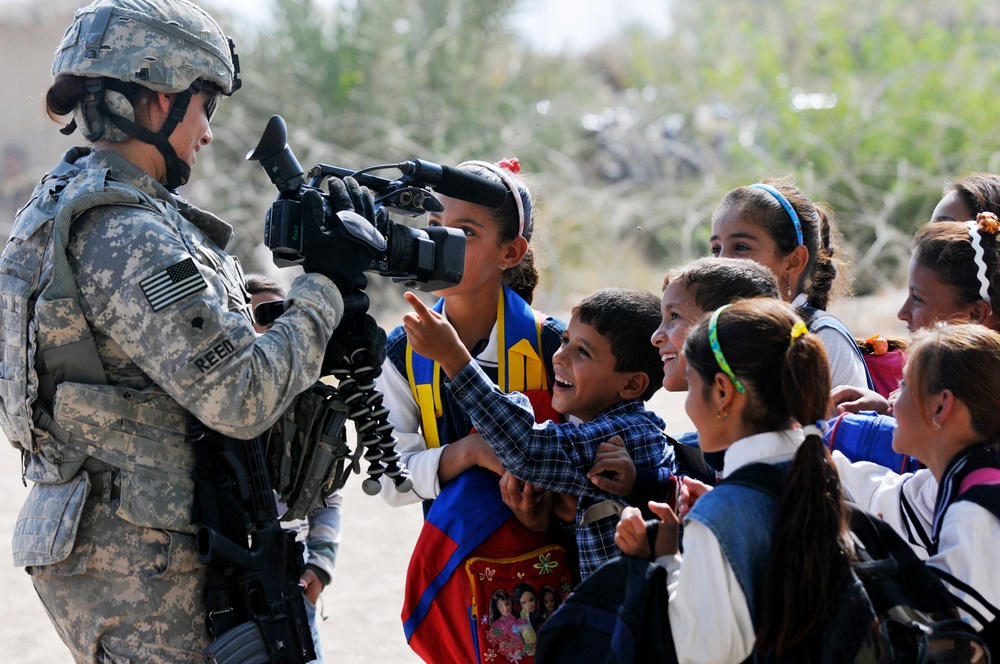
[428,259]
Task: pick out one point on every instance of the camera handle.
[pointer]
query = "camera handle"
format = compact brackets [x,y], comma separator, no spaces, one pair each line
[356,370]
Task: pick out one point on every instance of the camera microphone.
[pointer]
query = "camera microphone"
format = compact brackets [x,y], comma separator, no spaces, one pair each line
[456,183]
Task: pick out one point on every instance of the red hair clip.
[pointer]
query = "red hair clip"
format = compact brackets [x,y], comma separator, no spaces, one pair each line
[510,164]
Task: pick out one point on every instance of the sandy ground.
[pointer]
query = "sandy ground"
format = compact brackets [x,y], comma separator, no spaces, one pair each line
[362,605]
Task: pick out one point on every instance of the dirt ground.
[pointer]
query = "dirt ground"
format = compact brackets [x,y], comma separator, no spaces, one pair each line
[361,605]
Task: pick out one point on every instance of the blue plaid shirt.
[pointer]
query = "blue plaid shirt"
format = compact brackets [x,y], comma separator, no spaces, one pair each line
[559,456]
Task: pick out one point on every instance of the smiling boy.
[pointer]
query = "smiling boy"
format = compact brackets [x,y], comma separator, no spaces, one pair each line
[604,372]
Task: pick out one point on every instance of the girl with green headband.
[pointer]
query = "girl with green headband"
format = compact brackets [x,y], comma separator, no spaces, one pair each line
[755,375]
[688,293]
[776,225]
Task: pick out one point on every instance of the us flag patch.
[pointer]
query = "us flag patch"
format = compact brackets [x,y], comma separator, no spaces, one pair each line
[172,284]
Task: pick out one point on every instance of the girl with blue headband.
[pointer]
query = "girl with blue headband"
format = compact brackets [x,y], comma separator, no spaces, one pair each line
[775,224]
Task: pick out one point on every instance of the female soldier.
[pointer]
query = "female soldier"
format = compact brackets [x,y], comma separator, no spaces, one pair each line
[124,322]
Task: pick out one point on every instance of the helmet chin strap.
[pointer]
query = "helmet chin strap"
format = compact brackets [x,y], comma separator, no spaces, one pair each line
[178,171]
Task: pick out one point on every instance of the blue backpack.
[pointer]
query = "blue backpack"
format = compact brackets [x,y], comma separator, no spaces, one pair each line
[867,436]
[893,610]
[617,615]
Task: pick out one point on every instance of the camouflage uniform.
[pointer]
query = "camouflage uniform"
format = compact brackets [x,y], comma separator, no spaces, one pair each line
[199,355]
[120,325]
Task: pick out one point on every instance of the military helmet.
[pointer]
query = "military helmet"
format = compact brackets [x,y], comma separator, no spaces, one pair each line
[164,45]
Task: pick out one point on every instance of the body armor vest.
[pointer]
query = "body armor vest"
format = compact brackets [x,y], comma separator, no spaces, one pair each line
[56,404]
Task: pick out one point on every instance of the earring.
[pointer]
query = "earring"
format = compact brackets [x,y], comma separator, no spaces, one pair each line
[937,425]
[502,267]
[788,286]
[722,415]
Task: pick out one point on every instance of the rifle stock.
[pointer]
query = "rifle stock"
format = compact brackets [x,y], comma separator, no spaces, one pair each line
[263,618]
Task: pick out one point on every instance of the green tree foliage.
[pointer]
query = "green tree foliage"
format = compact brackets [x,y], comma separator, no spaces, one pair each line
[871,107]
[910,85]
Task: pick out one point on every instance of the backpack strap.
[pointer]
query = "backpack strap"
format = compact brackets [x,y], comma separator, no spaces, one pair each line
[981,476]
[982,487]
[817,319]
[763,477]
[601,510]
[520,365]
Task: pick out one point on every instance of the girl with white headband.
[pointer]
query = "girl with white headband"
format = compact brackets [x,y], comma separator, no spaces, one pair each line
[951,279]
[755,376]
[499,279]
[951,273]
[514,344]
[775,224]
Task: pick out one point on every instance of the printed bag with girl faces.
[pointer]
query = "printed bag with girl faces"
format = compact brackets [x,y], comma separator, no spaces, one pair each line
[510,599]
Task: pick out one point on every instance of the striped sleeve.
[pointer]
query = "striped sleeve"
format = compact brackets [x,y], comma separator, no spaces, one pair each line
[968,549]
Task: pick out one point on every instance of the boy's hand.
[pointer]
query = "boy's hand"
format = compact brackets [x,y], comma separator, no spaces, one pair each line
[532,506]
[691,489]
[613,470]
[631,534]
[432,336]
[564,507]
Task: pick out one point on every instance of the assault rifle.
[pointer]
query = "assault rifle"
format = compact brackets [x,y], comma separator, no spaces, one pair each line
[255,609]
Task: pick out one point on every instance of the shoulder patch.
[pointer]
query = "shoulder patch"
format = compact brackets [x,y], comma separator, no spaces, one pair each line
[172,284]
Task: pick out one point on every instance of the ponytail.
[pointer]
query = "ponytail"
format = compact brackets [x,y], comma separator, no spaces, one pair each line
[810,557]
[523,277]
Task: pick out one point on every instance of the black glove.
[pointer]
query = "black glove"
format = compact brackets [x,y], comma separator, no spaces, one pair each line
[339,242]
[353,334]
[347,194]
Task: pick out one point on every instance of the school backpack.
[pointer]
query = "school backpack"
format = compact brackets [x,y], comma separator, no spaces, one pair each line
[817,319]
[470,547]
[885,358]
[617,615]
[894,609]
